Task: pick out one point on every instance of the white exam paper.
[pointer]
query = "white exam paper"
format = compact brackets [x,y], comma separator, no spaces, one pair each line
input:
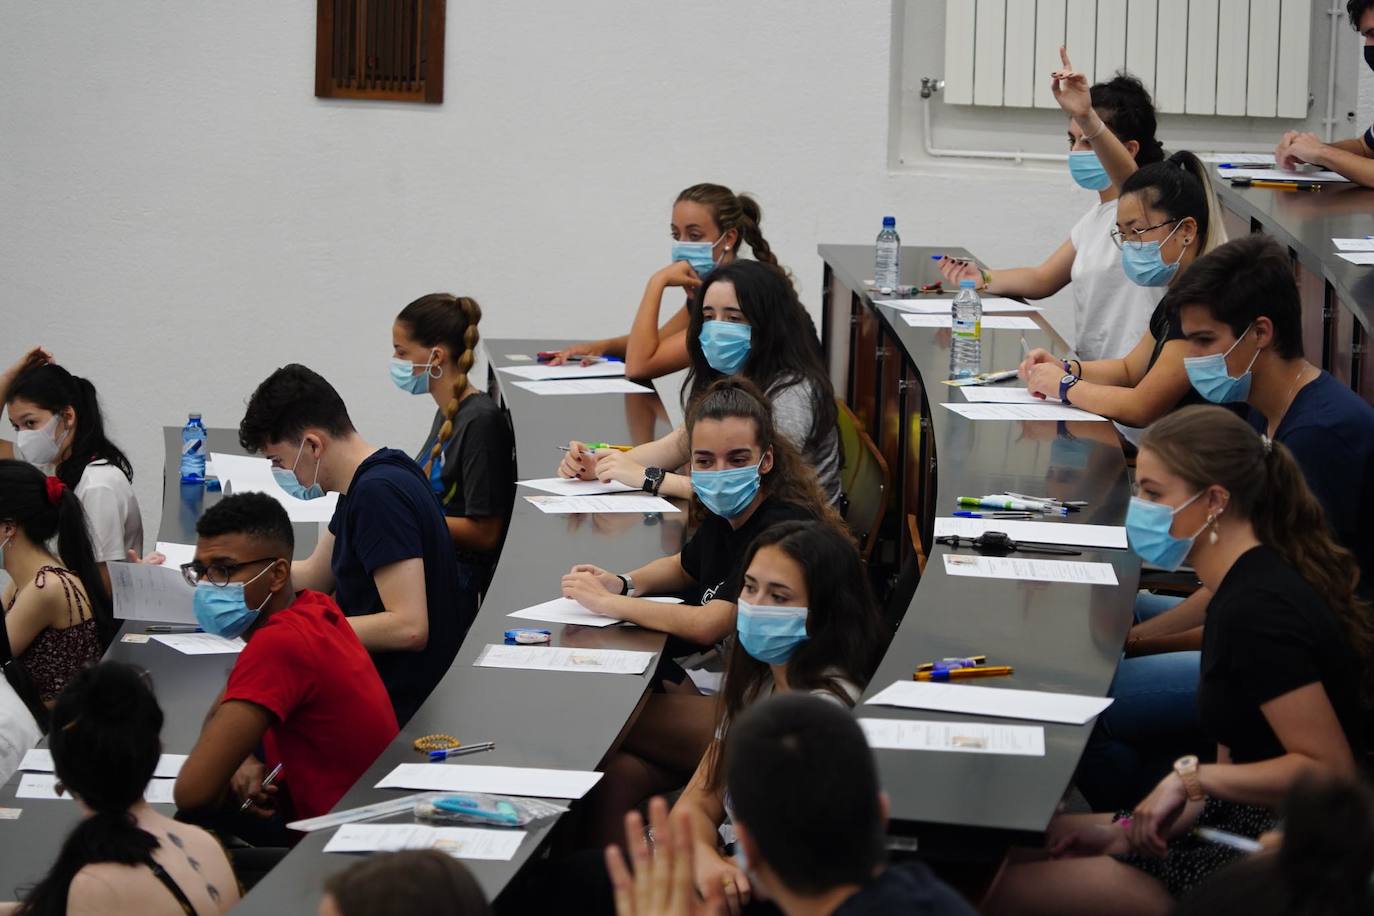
[1029,569]
[1111,536]
[571,505]
[156,593]
[459,842]
[44,785]
[1041,411]
[176,555]
[999,394]
[200,643]
[566,610]
[1239,159]
[39,760]
[936,305]
[249,474]
[603,369]
[562,486]
[959,737]
[585,386]
[1277,174]
[1354,244]
[1037,705]
[1363,258]
[990,322]
[552,658]
[461,777]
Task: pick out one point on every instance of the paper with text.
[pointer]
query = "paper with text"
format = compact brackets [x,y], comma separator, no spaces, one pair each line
[957,737]
[603,369]
[999,394]
[945,305]
[1239,159]
[1051,410]
[990,322]
[585,386]
[616,502]
[1029,569]
[562,486]
[1278,174]
[249,474]
[200,643]
[461,777]
[1070,533]
[459,842]
[1354,244]
[1038,705]
[566,610]
[39,760]
[154,593]
[44,785]
[1363,258]
[551,658]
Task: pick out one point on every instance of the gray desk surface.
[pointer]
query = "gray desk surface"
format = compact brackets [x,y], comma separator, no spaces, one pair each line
[1307,222]
[1059,637]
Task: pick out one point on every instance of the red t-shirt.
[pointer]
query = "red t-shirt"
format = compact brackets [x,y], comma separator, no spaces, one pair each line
[306,666]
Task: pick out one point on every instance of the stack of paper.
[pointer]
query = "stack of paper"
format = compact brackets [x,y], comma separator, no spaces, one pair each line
[1022,411]
[990,322]
[549,658]
[1278,174]
[200,643]
[459,842]
[944,304]
[566,610]
[44,785]
[462,777]
[572,505]
[999,394]
[246,474]
[1364,244]
[604,369]
[956,737]
[1037,705]
[585,386]
[562,486]
[1029,570]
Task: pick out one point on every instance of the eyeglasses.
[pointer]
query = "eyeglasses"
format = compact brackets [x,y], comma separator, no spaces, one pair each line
[217,574]
[1137,241]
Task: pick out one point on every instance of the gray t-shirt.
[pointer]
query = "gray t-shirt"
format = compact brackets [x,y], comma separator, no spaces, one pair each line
[793,416]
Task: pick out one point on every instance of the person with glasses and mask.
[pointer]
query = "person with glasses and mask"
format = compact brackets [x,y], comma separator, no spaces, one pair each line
[1353,158]
[303,690]
[387,557]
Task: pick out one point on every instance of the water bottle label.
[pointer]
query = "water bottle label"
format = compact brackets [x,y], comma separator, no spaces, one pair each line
[964,328]
[192,446]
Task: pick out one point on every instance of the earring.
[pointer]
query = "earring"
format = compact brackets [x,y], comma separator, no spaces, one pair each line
[1212,523]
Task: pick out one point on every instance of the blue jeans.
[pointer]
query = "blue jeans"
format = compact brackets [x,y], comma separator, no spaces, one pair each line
[1151,723]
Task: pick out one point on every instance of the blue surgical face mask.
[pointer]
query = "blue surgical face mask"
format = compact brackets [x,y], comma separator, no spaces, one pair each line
[1213,380]
[726,493]
[1144,265]
[700,255]
[403,374]
[725,344]
[771,634]
[1087,170]
[222,610]
[288,481]
[1147,529]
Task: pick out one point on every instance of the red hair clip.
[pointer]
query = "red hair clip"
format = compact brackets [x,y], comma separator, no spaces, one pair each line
[55,489]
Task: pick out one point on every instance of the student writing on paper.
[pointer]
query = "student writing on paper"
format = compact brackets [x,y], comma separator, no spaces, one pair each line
[387,556]
[60,429]
[1285,668]
[469,456]
[1166,219]
[709,223]
[750,323]
[56,614]
[304,689]
[405,883]
[1109,311]
[123,856]
[1353,158]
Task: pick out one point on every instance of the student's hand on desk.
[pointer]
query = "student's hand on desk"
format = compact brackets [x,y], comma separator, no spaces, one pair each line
[1043,380]
[612,464]
[679,273]
[578,461]
[1035,358]
[591,586]
[246,785]
[1071,89]
[1153,817]
[956,269]
[585,353]
[1303,148]
[661,885]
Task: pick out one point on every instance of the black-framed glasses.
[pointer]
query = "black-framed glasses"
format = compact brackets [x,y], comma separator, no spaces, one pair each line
[217,574]
[1137,241]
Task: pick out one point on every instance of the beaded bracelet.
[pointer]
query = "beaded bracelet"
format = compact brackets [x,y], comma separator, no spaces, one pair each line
[436,743]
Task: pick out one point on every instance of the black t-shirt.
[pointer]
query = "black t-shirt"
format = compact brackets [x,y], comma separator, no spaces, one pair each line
[474,476]
[1268,633]
[389,515]
[713,555]
[1164,327]
[908,889]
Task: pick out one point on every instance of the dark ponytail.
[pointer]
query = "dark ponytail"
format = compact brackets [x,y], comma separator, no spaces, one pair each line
[55,389]
[1124,105]
[44,511]
[1179,187]
[105,746]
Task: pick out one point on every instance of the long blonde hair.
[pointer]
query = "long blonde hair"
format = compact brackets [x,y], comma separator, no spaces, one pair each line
[441,319]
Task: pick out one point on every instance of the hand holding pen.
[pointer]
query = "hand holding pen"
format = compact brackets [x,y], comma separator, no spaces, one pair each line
[578,462]
[260,799]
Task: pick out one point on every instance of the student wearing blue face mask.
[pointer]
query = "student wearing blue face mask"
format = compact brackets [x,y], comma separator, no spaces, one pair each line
[1110,312]
[710,223]
[469,454]
[388,556]
[1285,671]
[1166,219]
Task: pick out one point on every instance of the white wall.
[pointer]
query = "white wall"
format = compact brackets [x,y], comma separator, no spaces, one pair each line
[181,215]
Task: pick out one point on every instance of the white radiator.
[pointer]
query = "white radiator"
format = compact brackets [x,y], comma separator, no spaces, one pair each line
[1197,57]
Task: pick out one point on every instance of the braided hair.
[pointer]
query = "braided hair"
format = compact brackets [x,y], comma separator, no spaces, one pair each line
[441,319]
[740,212]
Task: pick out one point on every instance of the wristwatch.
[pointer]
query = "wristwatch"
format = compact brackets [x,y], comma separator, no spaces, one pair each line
[653,480]
[628,589]
[1186,768]
[1065,383]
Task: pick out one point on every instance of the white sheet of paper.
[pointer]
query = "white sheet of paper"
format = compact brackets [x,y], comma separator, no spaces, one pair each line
[585,386]
[1277,174]
[44,785]
[562,486]
[945,304]
[1111,536]
[999,394]
[176,555]
[1037,705]
[553,658]
[200,643]
[459,842]
[1239,159]
[566,610]
[1363,258]
[461,777]
[39,760]
[157,593]
[1354,244]
[604,369]
[990,322]
[571,505]
[1041,411]
[1029,569]
[958,737]
[249,474]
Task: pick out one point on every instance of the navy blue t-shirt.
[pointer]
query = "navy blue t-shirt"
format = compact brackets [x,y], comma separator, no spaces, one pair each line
[389,514]
[1330,431]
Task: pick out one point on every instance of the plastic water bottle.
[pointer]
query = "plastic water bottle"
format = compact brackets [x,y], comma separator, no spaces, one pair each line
[193,450]
[887,249]
[966,341]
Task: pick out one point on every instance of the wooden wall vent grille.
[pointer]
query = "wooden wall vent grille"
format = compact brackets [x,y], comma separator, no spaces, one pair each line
[380,49]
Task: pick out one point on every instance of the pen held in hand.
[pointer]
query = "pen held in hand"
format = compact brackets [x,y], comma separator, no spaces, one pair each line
[267,781]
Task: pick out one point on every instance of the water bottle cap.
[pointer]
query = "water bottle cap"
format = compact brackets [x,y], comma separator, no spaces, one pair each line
[194,416]
[889,222]
[967,284]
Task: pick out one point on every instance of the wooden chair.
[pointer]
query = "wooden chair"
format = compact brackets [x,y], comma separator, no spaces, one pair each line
[864,480]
